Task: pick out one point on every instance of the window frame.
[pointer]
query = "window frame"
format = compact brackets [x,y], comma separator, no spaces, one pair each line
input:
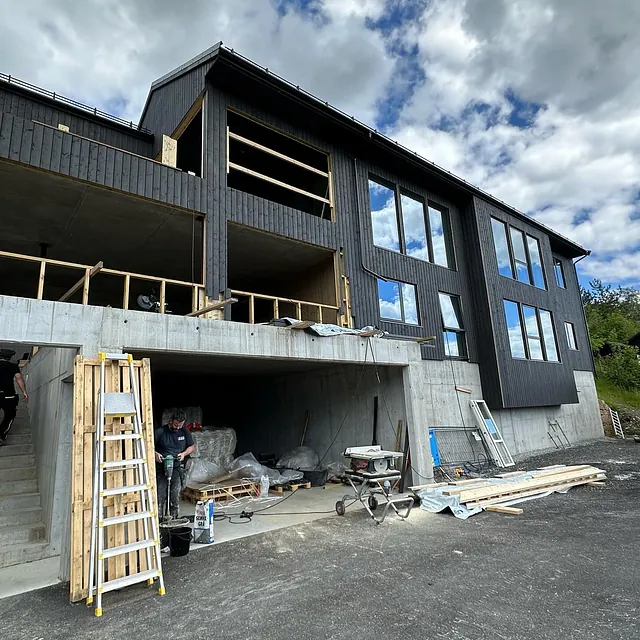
[403,320]
[570,326]
[399,191]
[514,262]
[558,267]
[457,330]
[524,332]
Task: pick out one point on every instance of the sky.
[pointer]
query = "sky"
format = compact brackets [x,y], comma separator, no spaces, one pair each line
[535,101]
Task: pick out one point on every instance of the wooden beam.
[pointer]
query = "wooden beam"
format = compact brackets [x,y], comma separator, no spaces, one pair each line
[125,295]
[252,310]
[514,511]
[219,304]
[83,282]
[305,324]
[463,390]
[43,266]
[255,145]
[261,176]
[163,295]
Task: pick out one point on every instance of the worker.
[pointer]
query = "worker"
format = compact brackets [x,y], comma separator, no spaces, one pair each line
[9,372]
[172,439]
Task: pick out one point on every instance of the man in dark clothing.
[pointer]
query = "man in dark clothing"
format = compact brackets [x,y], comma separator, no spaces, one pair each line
[9,372]
[172,439]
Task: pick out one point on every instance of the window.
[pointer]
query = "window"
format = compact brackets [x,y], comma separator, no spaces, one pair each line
[536,262]
[274,166]
[409,226]
[384,216]
[441,238]
[557,268]
[455,343]
[501,244]
[570,330]
[415,233]
[514,329]
[397,302]
[531,333]
[518,258]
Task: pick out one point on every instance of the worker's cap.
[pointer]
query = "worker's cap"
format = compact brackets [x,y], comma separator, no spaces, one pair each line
[7,353]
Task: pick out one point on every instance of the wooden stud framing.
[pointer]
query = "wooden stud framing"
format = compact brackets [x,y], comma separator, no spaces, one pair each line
[252,310]
[127,289]
[276,308]
[86,380]
[214,306]
[43,267]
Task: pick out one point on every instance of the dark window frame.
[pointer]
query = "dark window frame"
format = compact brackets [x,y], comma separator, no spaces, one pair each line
[398,192]
[570,326]
[515,261]
[558,268]
[403,321]
[458,331]
[525,335]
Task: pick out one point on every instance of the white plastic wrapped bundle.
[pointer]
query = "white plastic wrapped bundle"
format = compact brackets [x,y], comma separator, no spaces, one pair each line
[216,445]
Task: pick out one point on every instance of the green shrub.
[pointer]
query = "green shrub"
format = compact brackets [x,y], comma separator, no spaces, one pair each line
[621,368]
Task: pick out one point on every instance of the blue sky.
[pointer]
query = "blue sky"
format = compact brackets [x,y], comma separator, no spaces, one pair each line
[535,101]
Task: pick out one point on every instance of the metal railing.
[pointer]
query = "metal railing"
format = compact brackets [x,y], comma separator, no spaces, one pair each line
[84,283]
[71,103]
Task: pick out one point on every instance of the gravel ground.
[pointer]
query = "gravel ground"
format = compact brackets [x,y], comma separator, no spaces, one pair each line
[566,568]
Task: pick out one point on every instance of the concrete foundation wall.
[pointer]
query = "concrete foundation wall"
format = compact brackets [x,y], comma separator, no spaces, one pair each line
[526,430]
[51,411]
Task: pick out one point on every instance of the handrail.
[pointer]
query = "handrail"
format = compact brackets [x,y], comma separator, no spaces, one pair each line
[72,103]
[90,270]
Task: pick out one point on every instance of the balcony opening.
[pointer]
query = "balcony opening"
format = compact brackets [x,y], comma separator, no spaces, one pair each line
[274,277]
[277,167]
[63,239]
[189,154]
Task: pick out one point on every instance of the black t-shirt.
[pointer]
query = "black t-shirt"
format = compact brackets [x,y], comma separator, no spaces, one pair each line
[171,443]
[8,371]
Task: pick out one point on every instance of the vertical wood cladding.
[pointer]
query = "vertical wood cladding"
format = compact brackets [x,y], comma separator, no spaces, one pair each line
[42,147]
[528,383]
[169,104]
[33,108]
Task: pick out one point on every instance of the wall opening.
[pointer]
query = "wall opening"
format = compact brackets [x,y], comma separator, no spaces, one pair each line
[189,156]
[276,167]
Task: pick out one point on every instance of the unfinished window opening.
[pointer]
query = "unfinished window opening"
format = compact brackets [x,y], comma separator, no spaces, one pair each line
[189,155]
[274,277]
[276,167]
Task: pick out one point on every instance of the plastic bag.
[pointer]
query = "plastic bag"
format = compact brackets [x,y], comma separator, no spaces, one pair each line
[290,475]
[264,486]
[335,470]
[203,472]
[216,445]
[304,458]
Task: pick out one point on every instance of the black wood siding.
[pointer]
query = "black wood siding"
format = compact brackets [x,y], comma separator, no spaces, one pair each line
[526,383]
[169,103]
[46,148]
[29,107]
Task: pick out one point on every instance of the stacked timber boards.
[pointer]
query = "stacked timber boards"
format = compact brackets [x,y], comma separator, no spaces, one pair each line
[506,489]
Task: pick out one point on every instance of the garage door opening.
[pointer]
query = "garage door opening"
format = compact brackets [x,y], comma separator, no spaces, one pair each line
[274,406]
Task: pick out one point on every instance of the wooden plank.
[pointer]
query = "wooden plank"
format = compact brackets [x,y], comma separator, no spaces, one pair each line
[43,266]
[597,483]
[305,324]
[126,293]
[419,487]
[514,511]
[461,389]
[214,306]
[261,176]
[277,154]
[252,310]
[84,283]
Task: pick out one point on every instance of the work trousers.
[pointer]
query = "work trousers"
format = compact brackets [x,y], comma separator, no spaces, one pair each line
[177,482]
[9,407]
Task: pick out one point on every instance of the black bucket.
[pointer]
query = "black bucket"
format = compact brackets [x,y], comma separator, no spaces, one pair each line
[180,540]
[317,477]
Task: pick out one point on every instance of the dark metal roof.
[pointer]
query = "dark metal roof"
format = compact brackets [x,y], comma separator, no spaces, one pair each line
[68,103]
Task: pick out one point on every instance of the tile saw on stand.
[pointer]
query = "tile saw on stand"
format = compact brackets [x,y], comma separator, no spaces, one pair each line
[375,471]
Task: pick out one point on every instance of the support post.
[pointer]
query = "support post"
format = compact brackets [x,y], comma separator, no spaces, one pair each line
[163,294]
[43,267]
[125,295]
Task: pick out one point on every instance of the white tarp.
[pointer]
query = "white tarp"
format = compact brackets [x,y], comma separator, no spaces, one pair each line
[328,330]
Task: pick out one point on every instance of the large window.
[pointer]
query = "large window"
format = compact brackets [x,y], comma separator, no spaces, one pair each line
[274,166]
[518,254]
[531,332]
[397,302]
[406,224]
[557,269]
[455,342]
[570,330]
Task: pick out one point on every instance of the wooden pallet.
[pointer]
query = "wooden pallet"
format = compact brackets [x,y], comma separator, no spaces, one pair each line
[292,486]
[222,491]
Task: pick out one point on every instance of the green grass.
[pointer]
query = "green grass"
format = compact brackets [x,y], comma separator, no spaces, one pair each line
[617,398]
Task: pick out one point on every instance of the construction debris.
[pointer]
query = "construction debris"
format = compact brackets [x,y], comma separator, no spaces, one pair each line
[468,497]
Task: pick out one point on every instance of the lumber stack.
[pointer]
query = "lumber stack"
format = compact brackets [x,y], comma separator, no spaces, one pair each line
[500,492]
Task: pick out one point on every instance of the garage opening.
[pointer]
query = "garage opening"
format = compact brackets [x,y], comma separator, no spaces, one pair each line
[274,277]
[275,406]
[81,243]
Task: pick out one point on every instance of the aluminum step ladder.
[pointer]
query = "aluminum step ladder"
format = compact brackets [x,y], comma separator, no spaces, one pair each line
[491,435]
[617,426]
[556,433]
[121,405]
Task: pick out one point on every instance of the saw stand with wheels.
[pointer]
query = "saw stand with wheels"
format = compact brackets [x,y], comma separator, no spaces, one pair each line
[375,472]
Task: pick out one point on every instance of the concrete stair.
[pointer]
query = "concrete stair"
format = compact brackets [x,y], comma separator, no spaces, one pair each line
[22,533]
